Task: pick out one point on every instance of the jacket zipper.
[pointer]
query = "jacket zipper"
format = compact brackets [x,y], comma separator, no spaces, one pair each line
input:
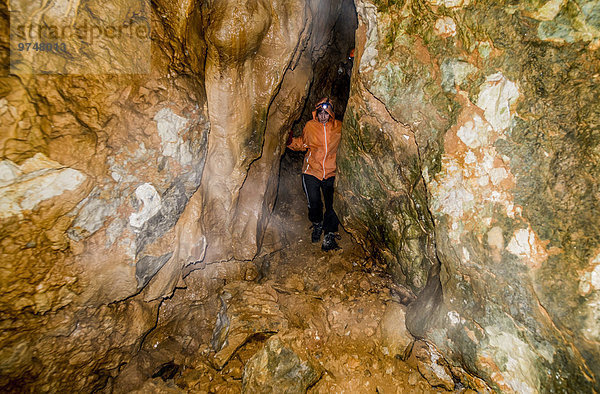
[324,157]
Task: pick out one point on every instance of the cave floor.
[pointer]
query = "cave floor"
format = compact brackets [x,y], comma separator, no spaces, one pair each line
[327,307]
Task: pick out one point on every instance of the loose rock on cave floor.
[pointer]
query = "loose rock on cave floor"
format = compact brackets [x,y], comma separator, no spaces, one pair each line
[296,320]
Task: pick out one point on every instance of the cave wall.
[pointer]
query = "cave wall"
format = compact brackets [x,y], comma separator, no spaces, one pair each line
[471,152]
[96,171]
[113,186]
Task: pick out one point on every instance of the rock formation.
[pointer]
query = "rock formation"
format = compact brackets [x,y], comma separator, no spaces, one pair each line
[469,163]
[138,152]
[118,174]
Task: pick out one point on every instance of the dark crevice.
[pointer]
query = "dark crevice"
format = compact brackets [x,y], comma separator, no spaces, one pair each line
[327,81]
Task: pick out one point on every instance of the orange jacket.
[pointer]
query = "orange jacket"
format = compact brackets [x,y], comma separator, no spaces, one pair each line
[322,141]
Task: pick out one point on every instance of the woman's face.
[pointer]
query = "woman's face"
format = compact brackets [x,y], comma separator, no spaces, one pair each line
[323,116]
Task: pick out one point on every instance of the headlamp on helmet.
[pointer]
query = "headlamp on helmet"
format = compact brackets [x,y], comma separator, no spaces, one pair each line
[325,105]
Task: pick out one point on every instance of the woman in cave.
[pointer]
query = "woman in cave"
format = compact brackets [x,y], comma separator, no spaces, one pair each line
[320,138]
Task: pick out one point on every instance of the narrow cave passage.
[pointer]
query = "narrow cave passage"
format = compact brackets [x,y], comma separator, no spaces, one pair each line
[294,318]
[332,68]
[334,320]
[239,294]
[153,227]
[331,76]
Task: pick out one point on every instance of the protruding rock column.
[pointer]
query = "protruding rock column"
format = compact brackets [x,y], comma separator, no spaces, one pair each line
[236,112]
[251,46]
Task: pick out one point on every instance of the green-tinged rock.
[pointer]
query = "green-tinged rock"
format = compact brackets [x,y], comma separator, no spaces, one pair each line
[495,185]
[387,183]
[576,21]
[278,369]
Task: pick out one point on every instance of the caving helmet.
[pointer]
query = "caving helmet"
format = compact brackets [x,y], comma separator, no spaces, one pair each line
[324,105]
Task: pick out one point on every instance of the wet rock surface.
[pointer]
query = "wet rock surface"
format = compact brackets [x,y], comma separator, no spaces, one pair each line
[467,152]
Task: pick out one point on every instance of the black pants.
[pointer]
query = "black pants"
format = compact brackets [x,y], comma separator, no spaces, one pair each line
[312,187]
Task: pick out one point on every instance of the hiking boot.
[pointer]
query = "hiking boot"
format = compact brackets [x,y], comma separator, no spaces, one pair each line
[317,231]
[329,242]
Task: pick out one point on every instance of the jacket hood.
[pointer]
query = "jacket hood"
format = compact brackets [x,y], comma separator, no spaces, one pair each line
[329,110]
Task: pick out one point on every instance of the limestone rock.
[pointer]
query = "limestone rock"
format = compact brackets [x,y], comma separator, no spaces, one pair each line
[246,310]
[431,365]
[104,194]
[394,334]
[277,369]
[35,180]
[157,386]
[465,166]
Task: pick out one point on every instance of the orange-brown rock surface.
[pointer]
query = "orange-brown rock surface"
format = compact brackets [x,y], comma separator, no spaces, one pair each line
[140,146]
[115,177]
